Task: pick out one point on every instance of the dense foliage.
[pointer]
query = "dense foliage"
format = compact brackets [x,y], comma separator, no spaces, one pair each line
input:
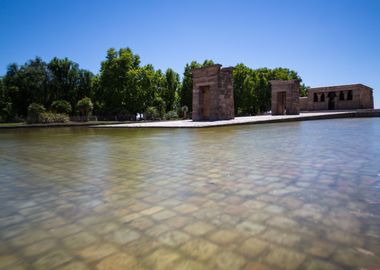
[38,114]
[252,91]
[39,82]
[152,113]
[34,113]
[6,114]
[123,88]
[85,107]
[61,106]
[50,117]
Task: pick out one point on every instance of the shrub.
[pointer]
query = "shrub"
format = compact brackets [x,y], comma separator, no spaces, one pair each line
[85,107]
[123,115]
[171,115]
[34,112]
[152,113]
[160,106]
[183,112]
[50,117]
[6,112]
[61,106]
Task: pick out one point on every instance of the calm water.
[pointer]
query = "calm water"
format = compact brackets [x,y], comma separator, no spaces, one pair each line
[281,196]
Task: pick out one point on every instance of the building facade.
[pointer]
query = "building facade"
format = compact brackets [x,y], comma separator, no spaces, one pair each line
[285,97]
[286,100]
[342,97]
[213,97]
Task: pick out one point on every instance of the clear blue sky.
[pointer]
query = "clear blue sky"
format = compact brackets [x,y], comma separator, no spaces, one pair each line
[328,42]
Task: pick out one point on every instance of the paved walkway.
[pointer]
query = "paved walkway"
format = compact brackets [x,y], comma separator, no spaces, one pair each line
[237,121]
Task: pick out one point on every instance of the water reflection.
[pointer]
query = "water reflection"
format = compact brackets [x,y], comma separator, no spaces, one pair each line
[301,195]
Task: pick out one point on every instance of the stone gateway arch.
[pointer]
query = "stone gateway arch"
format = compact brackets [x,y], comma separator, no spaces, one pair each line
[213,97]
[285,97]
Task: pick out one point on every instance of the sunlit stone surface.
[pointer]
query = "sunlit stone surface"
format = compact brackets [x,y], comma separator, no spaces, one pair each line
[281,196]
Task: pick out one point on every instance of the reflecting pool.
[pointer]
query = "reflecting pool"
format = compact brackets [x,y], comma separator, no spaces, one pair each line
[302,195]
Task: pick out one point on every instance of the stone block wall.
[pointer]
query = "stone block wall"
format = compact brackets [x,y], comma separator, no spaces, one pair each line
[285,97]
[212,93]
[304,103]
[341,97]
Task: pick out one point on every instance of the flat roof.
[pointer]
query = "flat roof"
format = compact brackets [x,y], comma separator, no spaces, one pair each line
[338,87]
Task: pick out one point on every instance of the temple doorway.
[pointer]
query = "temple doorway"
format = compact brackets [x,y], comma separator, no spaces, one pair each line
[331,96]
[204,102]
[281,102]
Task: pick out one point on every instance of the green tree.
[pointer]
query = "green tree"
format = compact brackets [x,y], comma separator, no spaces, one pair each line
[124,87]
[2,91]
[304,90]
[252,90]
[85,107]
[186,95]
[170,89]
[64,77]
[68,81]
[249,96]
[42,83]
[27,84]
[152,113]
[160,105]
[85,84]
[6,111]
[34,113]
[240,73]
[263,89]
[117,90]
[145,85]
[61,106]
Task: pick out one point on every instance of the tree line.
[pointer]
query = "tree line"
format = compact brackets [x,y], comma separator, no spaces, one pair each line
[123,88]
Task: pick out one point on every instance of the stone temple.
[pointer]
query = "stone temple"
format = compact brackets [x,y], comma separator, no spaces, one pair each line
[213,97]
[286,100]
[342,97]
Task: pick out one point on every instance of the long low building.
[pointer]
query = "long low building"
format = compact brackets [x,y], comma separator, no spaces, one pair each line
[341,97]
